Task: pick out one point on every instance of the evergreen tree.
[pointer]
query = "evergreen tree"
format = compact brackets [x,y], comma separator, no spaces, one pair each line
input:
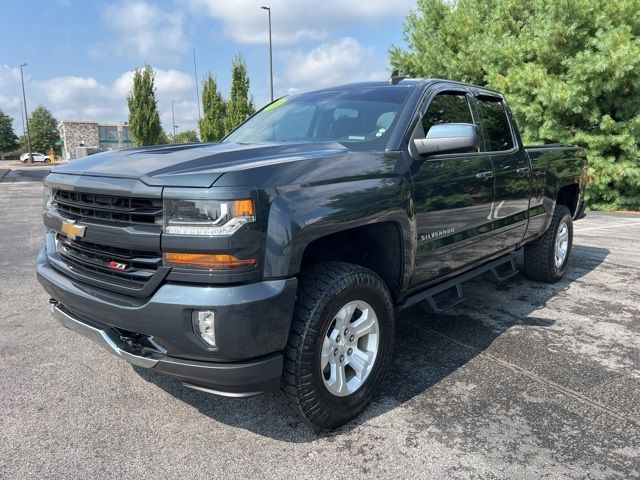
[212,124]
[569,68]
[240,104]
[144,119]
[43,130]
[8,138]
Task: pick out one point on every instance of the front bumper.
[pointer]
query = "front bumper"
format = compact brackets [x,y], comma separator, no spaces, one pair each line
[241,379]
[252,328]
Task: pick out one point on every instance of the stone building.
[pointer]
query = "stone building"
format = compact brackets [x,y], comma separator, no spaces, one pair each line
[82,138]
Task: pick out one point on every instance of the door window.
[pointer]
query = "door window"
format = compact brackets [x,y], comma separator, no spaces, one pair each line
[448,107]
[496,124]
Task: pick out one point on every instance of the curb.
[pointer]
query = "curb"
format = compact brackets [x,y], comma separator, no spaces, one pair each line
[3,173]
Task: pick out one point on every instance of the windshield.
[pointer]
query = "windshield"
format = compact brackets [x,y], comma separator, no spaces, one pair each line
[356,117]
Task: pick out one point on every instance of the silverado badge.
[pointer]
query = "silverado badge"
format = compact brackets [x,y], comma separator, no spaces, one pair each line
[71,230]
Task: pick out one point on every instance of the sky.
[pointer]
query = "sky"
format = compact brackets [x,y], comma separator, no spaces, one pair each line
[81,54]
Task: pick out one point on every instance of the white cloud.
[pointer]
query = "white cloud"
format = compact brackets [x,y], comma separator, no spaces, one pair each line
[294,20]
[333,63]
[85,98]
[10,89]
[145,31]
[11,95]
[169,83]
[69,90]
[79,98]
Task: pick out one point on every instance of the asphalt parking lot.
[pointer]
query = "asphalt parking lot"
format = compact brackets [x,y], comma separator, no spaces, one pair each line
[525,380]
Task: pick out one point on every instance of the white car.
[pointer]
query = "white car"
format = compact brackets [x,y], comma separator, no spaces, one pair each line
[37,157]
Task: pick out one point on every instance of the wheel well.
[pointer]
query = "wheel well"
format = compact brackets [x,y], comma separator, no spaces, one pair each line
[568,196]
[377,247]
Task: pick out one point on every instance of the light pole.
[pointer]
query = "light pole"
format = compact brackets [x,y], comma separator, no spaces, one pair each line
[24,131]
[26,115]
[195,70]
[270,51]
[173,121]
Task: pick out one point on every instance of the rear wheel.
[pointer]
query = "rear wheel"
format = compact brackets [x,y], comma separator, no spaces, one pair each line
[340,343]
[47,160]
[547,258]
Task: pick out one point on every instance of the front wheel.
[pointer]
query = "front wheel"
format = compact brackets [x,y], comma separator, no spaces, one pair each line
[546,258]
[340,343]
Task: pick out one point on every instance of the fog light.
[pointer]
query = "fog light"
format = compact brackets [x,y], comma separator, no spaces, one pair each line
[204,325]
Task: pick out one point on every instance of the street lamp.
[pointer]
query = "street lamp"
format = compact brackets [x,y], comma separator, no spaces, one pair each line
[195,71]
[270,51]
[24,130]
[173,121]
[26,115]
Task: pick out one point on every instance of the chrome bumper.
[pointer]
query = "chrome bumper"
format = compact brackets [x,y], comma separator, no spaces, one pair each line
[109,339]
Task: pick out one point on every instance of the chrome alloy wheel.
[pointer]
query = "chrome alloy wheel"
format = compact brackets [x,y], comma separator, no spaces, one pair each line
[562,244]
[349,348]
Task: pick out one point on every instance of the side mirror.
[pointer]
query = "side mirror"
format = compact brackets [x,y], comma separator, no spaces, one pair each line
[448,138]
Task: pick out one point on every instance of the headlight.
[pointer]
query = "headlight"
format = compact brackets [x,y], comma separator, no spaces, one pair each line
[48,197]
[207,217]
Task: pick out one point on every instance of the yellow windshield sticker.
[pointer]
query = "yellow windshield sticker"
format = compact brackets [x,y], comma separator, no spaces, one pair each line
[276,104]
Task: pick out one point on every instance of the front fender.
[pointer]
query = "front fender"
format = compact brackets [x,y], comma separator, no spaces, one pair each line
[299,215]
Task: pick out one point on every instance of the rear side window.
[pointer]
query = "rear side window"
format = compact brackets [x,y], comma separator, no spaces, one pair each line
[447,108]
[496,124]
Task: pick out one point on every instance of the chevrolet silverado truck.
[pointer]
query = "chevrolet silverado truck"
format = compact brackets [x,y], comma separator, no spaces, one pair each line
[277,259]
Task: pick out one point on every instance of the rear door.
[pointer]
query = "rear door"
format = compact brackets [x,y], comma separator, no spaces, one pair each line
[453,195]
[510,210]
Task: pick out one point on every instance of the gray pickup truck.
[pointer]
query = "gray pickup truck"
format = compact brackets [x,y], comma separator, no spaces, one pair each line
[277,259]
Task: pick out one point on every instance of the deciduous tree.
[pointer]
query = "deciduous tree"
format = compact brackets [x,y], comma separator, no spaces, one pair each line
[186,136]
[144,119]
[8,138]
[213,103]
[43,130]
[240,104]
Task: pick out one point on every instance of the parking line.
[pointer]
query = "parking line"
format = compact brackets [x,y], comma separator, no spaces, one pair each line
[580,230]
[559,388]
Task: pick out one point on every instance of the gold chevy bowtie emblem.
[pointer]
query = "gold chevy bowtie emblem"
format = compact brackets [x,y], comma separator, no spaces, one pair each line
[71,230]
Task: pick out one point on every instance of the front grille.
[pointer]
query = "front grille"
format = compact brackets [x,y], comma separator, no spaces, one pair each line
[124,267]
[108,207]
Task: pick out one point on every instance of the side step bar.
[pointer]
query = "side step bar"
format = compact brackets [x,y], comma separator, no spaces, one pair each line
[447,294]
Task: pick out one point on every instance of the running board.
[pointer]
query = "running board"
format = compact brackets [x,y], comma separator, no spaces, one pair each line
[447,294]
[505,270]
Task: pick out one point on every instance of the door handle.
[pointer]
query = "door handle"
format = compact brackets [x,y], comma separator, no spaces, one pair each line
[523,172]
[484,175]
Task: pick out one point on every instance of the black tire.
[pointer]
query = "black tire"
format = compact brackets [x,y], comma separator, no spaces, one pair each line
[47,160]
[323,290]
[539,256]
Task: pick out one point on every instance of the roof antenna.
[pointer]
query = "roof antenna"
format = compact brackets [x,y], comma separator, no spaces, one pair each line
[395,78]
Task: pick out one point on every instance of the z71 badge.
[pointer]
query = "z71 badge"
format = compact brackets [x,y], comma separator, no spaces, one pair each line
[431,235]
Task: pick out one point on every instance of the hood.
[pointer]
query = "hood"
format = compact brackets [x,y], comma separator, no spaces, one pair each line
[192,165]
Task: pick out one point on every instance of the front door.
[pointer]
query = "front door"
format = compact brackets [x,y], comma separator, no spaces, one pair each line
[453,194]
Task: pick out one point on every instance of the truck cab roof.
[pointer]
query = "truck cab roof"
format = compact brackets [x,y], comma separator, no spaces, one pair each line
[405,83]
